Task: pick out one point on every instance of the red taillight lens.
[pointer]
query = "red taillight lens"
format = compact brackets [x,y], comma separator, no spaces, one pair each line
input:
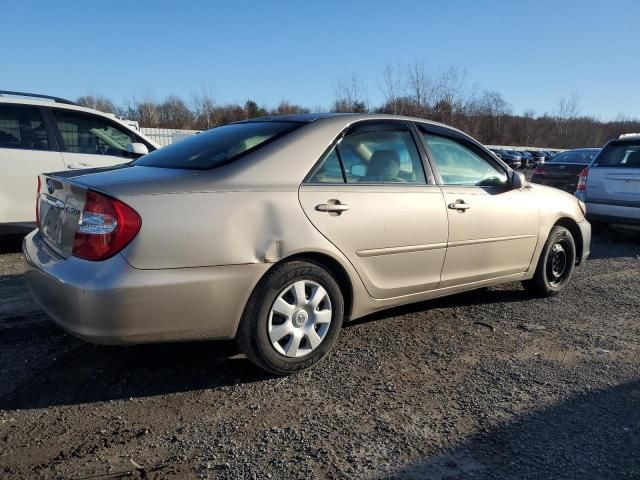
[539,171]
[38,202]
[582,179]
[105,227]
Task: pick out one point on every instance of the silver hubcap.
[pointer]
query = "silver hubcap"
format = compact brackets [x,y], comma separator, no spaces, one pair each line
[299,319]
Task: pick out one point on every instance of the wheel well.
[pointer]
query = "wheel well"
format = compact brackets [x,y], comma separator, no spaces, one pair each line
[338,272]
[572,226]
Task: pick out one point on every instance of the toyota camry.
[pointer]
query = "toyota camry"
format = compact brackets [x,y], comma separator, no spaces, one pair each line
[274,231]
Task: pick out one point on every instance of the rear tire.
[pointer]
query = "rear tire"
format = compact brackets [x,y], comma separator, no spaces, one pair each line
[292,318]
[556,264]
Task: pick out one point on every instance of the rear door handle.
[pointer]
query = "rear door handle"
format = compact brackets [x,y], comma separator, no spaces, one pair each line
[333,206]
[459,205]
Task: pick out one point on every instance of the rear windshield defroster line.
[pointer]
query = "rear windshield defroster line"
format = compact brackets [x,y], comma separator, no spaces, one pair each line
[218,146]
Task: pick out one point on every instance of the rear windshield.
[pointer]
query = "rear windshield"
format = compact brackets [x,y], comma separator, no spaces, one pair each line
[620,154]
[217,146]
[575,157]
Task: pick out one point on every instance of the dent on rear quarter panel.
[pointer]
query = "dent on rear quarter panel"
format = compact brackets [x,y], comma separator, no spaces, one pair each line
[219,228]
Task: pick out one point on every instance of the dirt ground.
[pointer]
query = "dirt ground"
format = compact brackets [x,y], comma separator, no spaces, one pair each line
[488,384]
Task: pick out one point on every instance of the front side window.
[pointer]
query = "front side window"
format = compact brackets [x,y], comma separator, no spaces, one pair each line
[217,146]
[380,156]
[23,128]
[92,135]
[623,154]
[458,165]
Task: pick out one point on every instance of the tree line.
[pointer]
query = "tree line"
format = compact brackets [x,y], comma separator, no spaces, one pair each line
[445,96]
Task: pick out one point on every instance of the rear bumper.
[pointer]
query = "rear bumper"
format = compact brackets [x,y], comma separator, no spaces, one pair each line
[569,186]
[110,302]
[626,215]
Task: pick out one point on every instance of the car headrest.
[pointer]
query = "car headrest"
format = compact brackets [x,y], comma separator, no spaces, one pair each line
[383,164]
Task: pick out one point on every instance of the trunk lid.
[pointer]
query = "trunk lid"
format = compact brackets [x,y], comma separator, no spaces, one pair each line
[60,205]
[615,186]
[62,195]
[557,169]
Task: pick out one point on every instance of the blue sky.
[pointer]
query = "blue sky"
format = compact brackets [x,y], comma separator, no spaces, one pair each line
[532,52]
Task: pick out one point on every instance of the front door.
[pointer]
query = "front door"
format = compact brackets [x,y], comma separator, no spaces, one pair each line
[493,229]
[370,198]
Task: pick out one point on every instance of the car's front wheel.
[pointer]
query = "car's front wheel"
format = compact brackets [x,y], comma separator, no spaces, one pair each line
[556,264]
[292,318]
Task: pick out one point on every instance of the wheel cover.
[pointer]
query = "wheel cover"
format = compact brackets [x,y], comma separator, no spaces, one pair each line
[557,263]
[299,318]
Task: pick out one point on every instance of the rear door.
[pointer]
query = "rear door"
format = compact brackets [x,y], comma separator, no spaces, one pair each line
[27,149]
[90,141]
[614,176]
[493,229]
[370,198]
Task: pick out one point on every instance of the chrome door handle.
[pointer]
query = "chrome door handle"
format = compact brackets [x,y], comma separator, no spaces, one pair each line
[332,206]
[459,205]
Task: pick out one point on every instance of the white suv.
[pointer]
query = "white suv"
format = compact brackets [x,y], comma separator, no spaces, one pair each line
[610,186]
[44,134]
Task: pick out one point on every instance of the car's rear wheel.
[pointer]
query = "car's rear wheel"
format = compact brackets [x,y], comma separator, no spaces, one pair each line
[292,318]
[556,264]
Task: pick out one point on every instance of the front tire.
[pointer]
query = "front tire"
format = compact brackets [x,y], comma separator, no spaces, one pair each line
[556,264]
[292,318]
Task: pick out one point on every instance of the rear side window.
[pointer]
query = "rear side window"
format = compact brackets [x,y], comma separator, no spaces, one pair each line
[217,146]
[619,154]
[92,135]
[22,128]
[379,156]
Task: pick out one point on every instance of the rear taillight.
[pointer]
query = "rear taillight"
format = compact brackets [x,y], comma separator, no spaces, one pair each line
[38,203]
[582,179]
[105,227]
[539,171]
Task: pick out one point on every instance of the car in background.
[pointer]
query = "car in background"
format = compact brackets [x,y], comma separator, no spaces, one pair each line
[274,230]
[527,159]
[496,152]
[41,133]
[539,157]
[610,186]
[511,158]
[562,170]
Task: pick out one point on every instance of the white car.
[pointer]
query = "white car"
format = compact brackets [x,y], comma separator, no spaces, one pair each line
[43,134]
[610,186]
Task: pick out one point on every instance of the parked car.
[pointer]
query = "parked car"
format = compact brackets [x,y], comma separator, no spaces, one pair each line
[562,171]
[526,158]
[496,152]
[274,231]
[45,134]
[610,186]
[539,157]
[511,158]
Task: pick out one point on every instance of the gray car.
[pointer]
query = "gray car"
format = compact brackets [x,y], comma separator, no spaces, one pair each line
[276,230]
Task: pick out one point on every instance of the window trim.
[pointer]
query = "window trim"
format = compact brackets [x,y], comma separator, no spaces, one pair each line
[51,137]
[467,142]
[373,125]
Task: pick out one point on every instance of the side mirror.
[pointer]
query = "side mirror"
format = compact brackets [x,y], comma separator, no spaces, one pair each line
[518,181]
[358,170]
[137,149]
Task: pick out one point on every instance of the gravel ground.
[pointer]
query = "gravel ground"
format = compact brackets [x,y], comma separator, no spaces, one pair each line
[488,384]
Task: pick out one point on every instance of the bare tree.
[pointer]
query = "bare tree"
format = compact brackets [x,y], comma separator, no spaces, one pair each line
[349,95]
[392,86]
[204,108]
[420,88]
[174,113]
[568,108]
[97,102]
